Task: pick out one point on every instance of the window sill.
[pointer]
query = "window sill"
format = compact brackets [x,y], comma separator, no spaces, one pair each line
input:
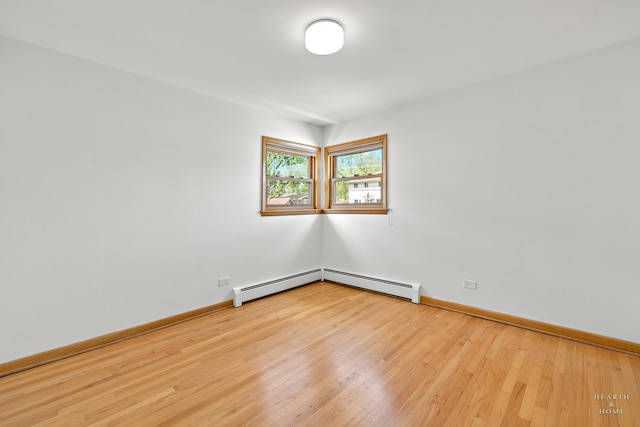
[274,212]
[368,211]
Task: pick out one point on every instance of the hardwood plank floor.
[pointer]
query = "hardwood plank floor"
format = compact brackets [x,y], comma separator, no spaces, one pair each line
[329,355]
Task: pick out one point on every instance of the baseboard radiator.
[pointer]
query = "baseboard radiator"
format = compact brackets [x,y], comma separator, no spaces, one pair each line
[250,292]
[402,290]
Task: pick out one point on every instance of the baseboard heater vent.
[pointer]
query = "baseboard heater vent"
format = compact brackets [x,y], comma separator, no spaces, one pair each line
[402,290]
[248,293]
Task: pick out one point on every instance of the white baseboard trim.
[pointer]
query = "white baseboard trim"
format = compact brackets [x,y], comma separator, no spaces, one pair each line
[390,287]
[249,292]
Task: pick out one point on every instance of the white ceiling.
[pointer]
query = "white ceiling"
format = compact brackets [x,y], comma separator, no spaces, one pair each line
[252,51]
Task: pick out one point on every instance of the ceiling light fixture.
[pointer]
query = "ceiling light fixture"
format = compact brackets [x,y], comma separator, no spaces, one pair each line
[324,37]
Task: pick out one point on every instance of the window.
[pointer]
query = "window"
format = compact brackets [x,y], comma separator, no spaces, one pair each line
[289,178]
[350,164]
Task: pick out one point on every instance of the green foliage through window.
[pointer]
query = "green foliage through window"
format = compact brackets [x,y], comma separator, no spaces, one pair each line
[287,165]
[359,164]
[289,179]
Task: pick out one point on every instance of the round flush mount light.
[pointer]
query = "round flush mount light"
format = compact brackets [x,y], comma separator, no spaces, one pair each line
[324,37]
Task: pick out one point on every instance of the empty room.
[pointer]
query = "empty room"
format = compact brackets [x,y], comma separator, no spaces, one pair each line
[319,213]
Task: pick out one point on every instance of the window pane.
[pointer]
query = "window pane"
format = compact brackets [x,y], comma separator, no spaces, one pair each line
[368,162]
[341,192]
[367,190]
[287,193]
[287,165]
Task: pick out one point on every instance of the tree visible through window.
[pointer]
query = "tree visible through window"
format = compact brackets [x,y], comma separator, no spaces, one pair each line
[289,182]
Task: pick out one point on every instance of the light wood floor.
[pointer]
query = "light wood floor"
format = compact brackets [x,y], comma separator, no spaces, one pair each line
[328,355]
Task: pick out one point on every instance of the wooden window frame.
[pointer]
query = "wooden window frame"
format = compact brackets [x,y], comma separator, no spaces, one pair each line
[294,148]
[353,147]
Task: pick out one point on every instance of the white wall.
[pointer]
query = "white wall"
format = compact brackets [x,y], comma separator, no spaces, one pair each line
[123,200]
[529,184]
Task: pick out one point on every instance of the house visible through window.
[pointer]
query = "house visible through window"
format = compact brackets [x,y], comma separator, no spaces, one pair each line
[353,163]
[289,178]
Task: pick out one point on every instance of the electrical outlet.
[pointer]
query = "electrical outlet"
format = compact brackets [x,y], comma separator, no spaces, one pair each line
[223,281]
[470,284]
